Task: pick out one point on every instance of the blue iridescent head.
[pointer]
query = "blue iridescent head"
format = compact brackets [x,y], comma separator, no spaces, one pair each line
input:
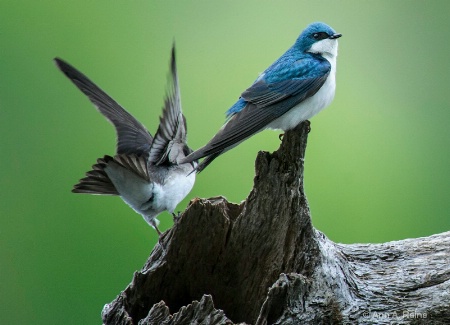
[314,33]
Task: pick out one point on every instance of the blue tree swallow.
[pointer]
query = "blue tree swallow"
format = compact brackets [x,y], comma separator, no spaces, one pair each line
[293,89]
[146,171]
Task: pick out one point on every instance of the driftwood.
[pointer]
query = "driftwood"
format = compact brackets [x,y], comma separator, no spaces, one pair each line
[261,262]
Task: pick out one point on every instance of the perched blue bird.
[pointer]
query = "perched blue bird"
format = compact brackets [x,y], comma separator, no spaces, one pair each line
[293,89]
[146,171]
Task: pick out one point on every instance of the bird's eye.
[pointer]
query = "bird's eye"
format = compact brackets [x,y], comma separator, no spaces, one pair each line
[320,35]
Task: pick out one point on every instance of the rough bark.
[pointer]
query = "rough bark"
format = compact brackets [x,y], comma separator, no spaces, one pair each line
[262,262]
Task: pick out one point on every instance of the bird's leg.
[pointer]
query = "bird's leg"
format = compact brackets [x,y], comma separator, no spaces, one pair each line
[160,242]
[176,217]
[159,236]
[154,225]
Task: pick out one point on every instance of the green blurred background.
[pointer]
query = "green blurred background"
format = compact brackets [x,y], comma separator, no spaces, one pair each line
[377,164]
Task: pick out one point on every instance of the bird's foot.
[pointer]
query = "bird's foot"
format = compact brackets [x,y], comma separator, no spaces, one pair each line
[280,136]
[176,217]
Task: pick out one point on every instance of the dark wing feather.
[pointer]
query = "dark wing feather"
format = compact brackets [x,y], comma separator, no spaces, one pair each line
[265,103]
[132,136]
[172,127]
[96,180]
[205,162]
[136,164]
[264,94]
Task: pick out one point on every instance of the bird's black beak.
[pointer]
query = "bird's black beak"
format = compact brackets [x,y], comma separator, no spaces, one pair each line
[334,36]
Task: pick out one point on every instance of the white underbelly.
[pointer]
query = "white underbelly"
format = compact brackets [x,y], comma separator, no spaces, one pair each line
[174,190]
[308,108]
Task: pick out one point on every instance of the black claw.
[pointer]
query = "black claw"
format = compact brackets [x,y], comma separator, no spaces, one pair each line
[176,217]
[281,136]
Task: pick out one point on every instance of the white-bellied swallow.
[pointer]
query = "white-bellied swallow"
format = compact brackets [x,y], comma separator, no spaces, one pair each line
[146,171]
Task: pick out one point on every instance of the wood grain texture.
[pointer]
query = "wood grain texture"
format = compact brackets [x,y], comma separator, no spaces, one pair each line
[261,262]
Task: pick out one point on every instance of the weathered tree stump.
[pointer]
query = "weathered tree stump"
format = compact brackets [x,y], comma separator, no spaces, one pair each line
[261,262]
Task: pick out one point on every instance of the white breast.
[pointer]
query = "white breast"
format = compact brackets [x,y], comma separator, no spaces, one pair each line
[174,190]
[313,105]
[309,107]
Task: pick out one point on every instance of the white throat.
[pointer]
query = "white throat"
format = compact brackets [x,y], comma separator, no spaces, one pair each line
[328,48]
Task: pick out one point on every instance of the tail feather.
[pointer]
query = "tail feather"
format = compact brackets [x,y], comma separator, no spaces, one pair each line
[208,159]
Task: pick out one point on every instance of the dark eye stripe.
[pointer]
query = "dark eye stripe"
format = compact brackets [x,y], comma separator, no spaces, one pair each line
[320,36]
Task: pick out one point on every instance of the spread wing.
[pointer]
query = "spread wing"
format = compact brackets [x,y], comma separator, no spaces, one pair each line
[170,137]
[132,136]
[97,180]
